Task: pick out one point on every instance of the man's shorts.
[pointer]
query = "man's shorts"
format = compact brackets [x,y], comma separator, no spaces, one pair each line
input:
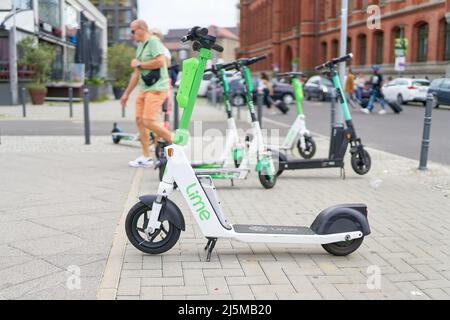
[148,104]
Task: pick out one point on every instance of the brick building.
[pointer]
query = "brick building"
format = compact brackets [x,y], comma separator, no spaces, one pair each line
[307,32]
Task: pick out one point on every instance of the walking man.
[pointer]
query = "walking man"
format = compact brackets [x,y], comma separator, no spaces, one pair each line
[377,83]
[149,56]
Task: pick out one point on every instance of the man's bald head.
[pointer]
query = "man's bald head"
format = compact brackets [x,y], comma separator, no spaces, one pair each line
[139,30]
[140,24]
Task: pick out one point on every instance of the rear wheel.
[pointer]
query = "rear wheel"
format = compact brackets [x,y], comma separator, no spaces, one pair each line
[310,148]
[116,139]
[267,182]
[160,241]
[361,163]
[400,100]
[343,248]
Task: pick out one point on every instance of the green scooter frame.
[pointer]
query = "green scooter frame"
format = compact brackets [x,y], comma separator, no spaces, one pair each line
[340,137]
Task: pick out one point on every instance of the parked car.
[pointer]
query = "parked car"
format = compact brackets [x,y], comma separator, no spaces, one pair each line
[440,88]
[206,81]
[404,90]
[281,91]
[318,87]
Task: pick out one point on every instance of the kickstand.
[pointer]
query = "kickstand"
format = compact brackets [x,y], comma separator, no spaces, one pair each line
[343,173]
[232,182]
[210,247]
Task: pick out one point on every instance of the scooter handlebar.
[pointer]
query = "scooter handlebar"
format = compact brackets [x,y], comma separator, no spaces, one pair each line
[290,74]
[201,35]
[247,62]
[334,62]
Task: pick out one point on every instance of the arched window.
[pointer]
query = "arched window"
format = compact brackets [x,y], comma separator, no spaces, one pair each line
[447,41]
[422,42]
[323,51]
[335,48]
[362,46]
[379,48]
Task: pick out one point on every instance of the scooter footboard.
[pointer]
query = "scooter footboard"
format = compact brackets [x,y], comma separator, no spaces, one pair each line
[342,218]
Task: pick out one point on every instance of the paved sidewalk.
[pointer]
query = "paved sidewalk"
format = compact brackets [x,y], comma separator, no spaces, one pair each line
[409,245]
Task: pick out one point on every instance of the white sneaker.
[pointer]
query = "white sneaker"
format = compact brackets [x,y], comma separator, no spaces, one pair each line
[141,162]
[365,111]
[382,112]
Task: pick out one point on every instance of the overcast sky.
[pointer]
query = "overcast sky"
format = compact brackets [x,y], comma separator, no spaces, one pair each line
[175,14]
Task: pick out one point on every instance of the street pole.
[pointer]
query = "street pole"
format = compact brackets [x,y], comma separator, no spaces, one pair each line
[344,26]
[71,102]
[87,122]
[13,59]
[426,133]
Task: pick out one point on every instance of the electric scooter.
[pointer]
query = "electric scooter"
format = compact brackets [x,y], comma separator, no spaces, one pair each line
[298,134]
[153,225]
[232,145]
[256,148]
[340,137]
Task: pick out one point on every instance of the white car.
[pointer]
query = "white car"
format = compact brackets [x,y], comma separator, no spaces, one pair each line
[206,81]
[404,90]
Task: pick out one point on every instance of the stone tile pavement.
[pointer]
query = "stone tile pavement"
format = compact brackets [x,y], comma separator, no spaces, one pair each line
[406,256]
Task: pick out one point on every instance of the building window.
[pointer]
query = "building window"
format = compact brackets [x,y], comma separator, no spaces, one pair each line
[324,51]
[24,4]
[335,48]
[349,45]
[124,33]
[379,46]
[422,43]
[49,12]
[447,41]
[362,49]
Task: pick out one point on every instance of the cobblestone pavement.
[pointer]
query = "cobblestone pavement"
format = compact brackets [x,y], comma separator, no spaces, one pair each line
[63,206]
[409,245]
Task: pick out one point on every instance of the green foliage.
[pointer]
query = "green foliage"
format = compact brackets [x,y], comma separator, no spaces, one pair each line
[39,57]
[119,59]
[95,81]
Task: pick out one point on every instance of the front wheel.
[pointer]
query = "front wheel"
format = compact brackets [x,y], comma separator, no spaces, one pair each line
[361,163]
[343,248]
[267,182]
[310,148]
[160,241]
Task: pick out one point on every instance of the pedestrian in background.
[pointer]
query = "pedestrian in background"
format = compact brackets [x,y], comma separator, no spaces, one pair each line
[350,88]
[150,56]
[377,82]
[360,83]
[268,93]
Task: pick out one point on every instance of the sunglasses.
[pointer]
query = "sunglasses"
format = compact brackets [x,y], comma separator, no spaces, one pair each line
[133,32]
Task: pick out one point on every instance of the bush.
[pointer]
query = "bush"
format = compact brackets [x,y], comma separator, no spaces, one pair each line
[39,57]
[119,59]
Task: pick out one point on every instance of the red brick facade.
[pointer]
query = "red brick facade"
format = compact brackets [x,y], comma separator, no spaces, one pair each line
[309,31]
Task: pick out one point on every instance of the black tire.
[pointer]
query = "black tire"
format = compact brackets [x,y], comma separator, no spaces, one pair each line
[162,168]
[400,100]
[344,248]
[135,233]
[310,150]
[157,151]
[280,157]
[116,139]
[357,163]
[321,96]
[307,96]
[266,181]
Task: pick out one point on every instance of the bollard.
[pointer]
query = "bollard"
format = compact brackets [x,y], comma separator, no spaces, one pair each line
[213,93]
[87,125]
[260,102]
[333,108]
[71,102]
[175,112]
[24,102]
[426,133]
